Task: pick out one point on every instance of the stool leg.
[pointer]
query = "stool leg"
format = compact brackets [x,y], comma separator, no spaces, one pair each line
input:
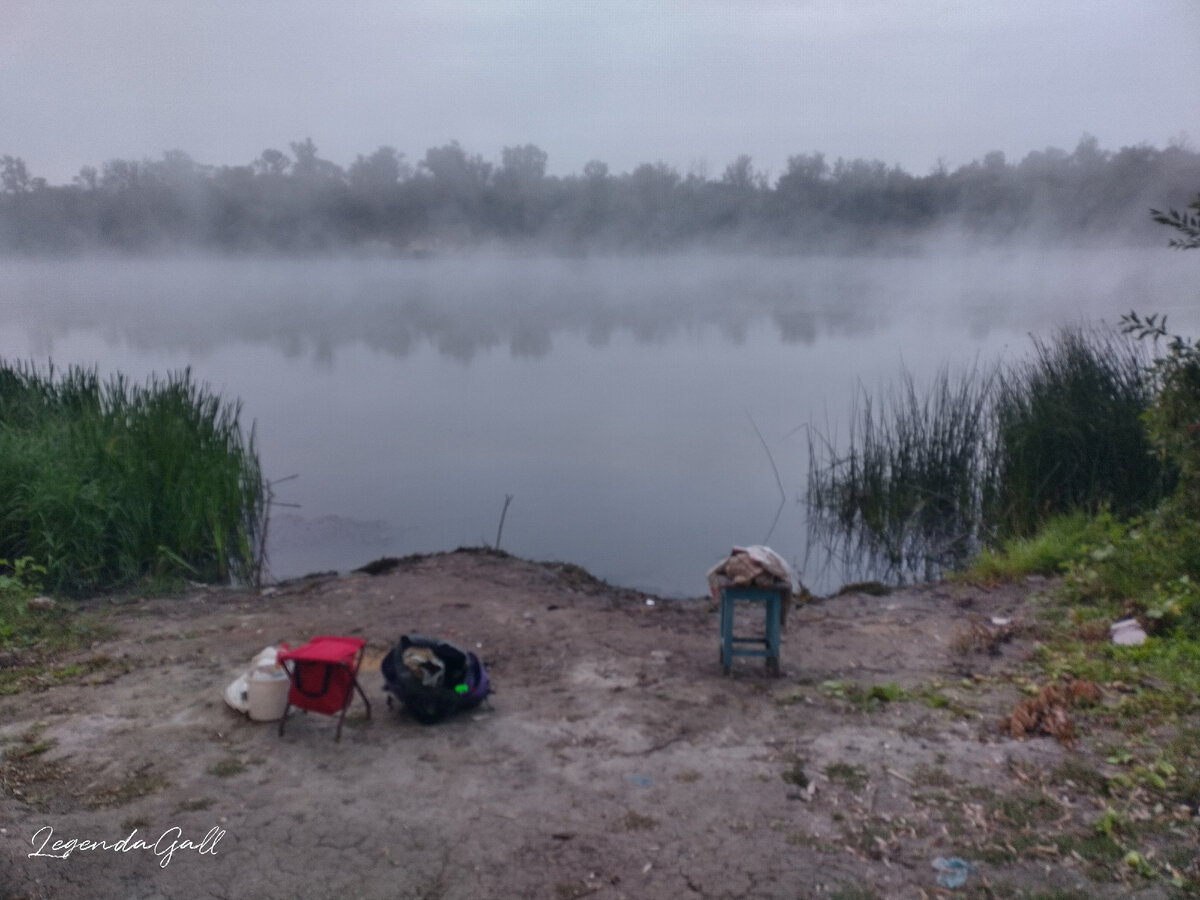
[773,616]
[726,633]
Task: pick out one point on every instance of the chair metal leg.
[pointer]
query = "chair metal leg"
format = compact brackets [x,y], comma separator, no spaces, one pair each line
[354,686]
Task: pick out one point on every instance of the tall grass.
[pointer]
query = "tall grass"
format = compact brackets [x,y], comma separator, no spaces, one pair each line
[108,483]
[1069,433]
[986,456]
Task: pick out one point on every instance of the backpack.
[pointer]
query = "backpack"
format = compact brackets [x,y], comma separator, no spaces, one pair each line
[433,678]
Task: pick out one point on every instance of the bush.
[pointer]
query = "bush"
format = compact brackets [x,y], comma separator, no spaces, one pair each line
[1173,421]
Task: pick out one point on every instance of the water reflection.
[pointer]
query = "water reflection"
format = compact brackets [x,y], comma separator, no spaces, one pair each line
[460,307]
[609,396]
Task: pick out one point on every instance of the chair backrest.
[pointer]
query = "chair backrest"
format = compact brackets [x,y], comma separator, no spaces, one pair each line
[322,672]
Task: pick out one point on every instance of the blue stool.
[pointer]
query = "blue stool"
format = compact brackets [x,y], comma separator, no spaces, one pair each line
[765,645]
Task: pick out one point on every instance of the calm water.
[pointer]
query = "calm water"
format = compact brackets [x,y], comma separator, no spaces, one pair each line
[616,400]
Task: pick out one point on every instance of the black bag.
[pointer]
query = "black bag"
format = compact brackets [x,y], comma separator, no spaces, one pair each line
[433,678]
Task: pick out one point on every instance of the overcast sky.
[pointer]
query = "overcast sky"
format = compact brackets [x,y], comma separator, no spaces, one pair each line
[693,84]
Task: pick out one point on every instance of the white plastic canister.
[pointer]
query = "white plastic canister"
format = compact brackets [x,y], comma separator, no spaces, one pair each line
[266,693]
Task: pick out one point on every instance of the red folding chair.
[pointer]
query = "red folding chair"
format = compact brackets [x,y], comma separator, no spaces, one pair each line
[324,677]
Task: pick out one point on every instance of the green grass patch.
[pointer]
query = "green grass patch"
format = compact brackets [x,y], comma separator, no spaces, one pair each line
[227,767]
[138,784]
[852,776]
[26,627]
[1060,541]
[865,697]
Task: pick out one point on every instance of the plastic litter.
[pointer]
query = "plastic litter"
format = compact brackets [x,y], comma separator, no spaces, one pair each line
[641,780]
[237,694]
[1127,632]
[952,872]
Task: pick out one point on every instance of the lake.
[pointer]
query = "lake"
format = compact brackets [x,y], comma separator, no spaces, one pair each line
[637,410]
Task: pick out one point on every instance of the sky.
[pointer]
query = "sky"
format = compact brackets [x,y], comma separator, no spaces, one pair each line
[692,83]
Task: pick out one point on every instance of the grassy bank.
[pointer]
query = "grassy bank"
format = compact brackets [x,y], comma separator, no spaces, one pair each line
[1081,463]
[106,484]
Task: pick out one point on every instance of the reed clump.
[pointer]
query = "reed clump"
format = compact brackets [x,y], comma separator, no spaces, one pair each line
[1070,434]
[989,455]
[107,483]
[906,495]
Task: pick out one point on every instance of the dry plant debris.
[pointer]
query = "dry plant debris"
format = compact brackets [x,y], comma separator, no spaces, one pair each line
[981,636]
[1048,712]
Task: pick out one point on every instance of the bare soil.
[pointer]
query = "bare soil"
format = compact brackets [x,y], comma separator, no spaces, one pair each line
[615,758]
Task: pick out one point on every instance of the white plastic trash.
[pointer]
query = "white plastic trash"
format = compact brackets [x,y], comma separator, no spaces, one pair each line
[266,693]
[1127,632]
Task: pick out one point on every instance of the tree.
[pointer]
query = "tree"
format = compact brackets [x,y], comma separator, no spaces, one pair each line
[802,193]
[14,177]
[272,162]
[310,166]
[456,173]
[741,176]
[87,179]
[518,189]
[380,171]
[456,186]
[524,165]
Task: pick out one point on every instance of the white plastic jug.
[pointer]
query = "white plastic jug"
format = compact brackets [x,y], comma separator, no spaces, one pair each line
[266,693]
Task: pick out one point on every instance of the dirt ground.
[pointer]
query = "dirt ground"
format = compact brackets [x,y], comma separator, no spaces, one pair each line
[615,759]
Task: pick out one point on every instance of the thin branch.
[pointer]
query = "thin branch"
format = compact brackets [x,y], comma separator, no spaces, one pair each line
[778,480]
[507,500]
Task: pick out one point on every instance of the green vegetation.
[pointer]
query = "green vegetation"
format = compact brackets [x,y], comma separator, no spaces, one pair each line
[1090,472]
[1061,540]
[992,456]
[1068,433]
[110,484]
[908,493]
[38,626]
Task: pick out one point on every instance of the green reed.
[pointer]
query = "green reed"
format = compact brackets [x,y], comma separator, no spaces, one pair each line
[110,483]
[906,496]
[934,475]
[1070,433]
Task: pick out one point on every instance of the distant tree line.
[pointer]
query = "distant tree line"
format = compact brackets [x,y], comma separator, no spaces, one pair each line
[298,202]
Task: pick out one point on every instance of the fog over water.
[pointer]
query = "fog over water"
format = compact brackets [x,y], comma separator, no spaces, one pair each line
[617,400]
